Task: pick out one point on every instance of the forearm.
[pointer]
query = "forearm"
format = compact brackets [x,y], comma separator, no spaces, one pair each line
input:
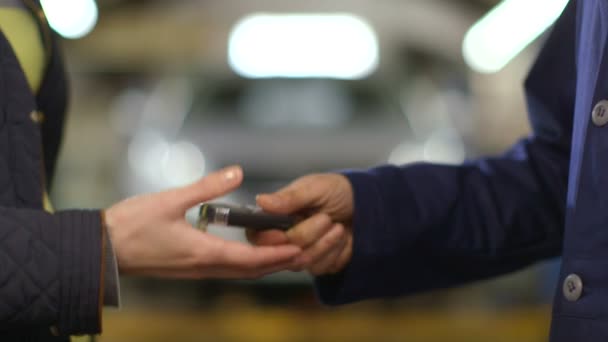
[426,226]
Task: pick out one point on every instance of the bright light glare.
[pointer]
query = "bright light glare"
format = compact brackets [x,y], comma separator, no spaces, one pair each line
[338,46]
[163,164]
[506,30]
[406,153]
[71,18]
[444,146]
[183,164]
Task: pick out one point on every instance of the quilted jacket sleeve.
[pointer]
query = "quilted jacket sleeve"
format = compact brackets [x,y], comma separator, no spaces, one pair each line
[51,269]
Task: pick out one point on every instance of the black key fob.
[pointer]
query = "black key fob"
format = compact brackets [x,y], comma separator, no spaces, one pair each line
[241,216]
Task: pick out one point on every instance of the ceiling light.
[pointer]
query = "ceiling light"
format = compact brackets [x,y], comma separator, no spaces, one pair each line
[71,18]
[494,40]
[339,46]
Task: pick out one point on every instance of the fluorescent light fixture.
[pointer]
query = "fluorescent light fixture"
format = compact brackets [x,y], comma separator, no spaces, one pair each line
[71,18]
[340,46]
[506,30]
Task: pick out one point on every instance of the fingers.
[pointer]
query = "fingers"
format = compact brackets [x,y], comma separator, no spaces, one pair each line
[211,186]
[328,193]
[232,259]
[344,258]
[183,252]
[294,197]
[325,262]
[303,234]
[322,241]
[320,256]
[327,246]
[310,230]
[247,273]
[217,271]
[267,237]
[235,254]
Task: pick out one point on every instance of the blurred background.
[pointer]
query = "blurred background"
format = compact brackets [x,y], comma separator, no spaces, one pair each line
[163,92]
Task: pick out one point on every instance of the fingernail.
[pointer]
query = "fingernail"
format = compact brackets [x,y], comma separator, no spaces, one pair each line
[258,196]
[232,173]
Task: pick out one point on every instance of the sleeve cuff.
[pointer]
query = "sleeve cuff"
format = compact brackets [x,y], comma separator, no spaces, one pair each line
[345,286]
[111,294]
[80,272]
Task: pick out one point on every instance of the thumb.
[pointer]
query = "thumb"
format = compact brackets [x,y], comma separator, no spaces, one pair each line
[213,185]
[292,198]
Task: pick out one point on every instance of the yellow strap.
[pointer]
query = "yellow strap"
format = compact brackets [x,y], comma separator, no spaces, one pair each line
[21,30]
[48,206]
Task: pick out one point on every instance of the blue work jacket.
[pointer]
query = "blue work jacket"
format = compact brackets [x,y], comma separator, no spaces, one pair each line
[423,226]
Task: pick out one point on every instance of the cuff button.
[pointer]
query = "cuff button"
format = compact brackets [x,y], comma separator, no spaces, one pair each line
[572,288]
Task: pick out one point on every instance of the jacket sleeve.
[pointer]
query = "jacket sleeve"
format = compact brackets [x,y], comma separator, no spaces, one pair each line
[51,266]
[421,227]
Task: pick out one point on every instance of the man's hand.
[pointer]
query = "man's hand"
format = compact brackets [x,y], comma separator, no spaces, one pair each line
[151,236]
[325,201]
